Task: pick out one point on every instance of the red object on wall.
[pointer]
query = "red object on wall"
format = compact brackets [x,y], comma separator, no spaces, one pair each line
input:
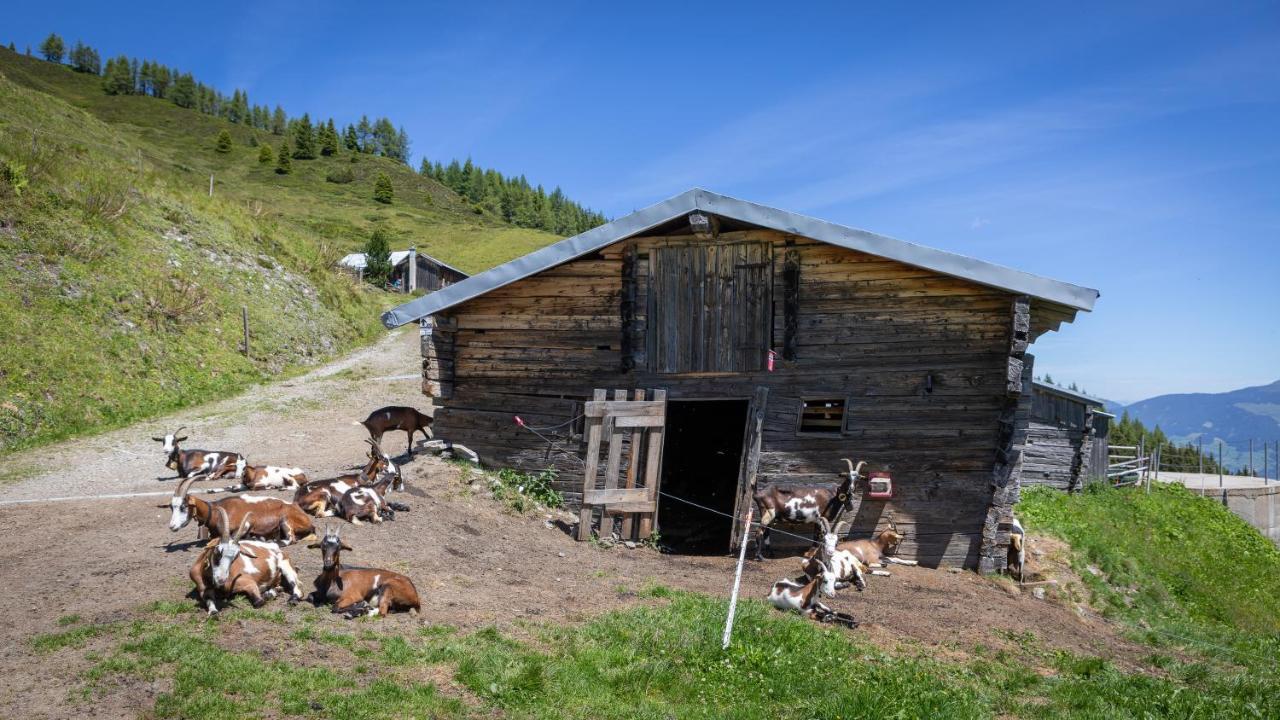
[773,356]
[879,486]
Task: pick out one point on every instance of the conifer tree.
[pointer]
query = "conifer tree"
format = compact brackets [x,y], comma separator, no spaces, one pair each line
[377,257]
[223,144]
[364,135]
[350,139]
[278,121]
[52,48]
[12,49]
[328,139]
[264,154]
[304,139]
[117,80]
[382,190]
[184,89]
[284,165]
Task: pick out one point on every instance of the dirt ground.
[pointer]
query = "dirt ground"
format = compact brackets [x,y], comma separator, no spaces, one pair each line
[474,562]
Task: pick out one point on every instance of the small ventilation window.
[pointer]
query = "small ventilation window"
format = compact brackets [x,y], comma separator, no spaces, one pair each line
[822,416]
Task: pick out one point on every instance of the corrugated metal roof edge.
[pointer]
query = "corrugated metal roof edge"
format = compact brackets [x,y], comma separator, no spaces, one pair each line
[1089,399]
[960,266]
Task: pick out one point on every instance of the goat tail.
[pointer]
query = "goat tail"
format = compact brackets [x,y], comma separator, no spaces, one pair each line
[358,423]
[398,506]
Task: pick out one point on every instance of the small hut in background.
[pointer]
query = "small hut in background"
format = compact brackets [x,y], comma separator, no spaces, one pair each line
[410,270]
[1067,438]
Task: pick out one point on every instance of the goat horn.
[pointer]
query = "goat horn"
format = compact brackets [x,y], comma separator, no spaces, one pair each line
[180,429]
[185,486]
[223,521]
[244,526]
[850,463]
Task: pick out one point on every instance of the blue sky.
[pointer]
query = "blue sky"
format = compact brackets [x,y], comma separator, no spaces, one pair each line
[1132,149]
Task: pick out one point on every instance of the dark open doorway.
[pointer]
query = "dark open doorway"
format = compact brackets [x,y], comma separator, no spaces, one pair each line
[701,454]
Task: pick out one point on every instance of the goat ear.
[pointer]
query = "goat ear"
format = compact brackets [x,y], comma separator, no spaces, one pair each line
[213,542]
[184,437]
[345,546]
[153,437]
[338,581]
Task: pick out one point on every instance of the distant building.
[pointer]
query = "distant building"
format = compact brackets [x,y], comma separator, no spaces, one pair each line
[410,270]
[1067,439]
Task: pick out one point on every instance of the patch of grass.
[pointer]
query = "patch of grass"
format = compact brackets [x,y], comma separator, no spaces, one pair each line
[521,491]
[66,620]
[1181,569]
[74,638]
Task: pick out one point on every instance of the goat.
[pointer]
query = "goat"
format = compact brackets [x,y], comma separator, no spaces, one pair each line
[878,552]
[1017,558]
[803,504]
[264,477]
[214,463]
[801,595]
[322,497]
[273,518]
[353,591]
[396,417]
[368,502]
[846,567]
[230,565]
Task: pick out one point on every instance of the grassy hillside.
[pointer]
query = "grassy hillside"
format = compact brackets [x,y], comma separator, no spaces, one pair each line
[1182,568]
[121,280]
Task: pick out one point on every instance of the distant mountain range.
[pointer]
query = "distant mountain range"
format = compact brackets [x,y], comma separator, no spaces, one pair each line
[1233,417]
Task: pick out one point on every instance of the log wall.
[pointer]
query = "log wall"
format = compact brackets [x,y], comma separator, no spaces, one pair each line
[923,362]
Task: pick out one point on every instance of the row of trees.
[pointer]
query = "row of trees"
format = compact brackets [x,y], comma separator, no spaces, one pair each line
[513,199]
[129,76]
[1179,458]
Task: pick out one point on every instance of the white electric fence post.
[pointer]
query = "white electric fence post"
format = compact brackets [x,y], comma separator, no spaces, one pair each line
[737,582]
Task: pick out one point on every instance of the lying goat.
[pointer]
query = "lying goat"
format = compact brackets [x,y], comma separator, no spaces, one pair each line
[803,504]
[273,518]
[801,595]
[230,565]
[322,498]
[827,557]
[368,502]
[878,552]
[355,591]
[186,463]
[264,477]
[396,417]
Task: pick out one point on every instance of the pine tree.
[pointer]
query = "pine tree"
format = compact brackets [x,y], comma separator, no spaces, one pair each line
[12,49]
[278,121]
[377,258]
[284,165]
[328,139]
[85,59]
[117,80]
[364,135]
[382,190]
[350,140]
[304,139]
[52,48]
[184,89]
[264,154]
[223,144]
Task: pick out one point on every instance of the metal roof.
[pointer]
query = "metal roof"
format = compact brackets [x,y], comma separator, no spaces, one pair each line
[357,261]
[959,266]
[1072,394]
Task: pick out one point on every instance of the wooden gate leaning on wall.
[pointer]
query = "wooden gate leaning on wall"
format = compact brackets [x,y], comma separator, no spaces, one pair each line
[634,425]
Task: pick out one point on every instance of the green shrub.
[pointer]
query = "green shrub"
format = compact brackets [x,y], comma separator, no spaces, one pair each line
[382,190]
[223,143]
[13,177]
[340,176]
[264,154]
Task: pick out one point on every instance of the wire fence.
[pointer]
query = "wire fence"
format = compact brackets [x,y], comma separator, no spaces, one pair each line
[1142,464]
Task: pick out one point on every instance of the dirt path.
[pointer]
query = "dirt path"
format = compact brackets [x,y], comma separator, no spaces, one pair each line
[475,563]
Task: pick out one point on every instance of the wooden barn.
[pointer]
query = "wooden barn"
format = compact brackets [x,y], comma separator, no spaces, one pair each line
[704,346]
[410,270]
[1067,440]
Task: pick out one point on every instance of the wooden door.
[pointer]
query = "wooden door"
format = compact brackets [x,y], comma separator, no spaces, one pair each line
[753,435]
[634,426]
[710,307]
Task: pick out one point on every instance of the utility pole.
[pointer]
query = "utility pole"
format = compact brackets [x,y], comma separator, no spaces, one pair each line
[1219,464]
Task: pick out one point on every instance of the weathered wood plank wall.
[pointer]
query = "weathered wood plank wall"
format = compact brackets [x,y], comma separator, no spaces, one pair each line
[921,360]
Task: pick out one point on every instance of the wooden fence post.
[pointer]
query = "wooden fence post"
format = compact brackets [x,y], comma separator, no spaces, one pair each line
[244,320]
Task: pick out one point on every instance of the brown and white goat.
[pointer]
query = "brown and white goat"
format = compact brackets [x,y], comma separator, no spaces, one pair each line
[802,595]
[322,498]
[396,417]
[213,463]
[230,565]
[257,478]
[369,502]
[803,504]
[273,518]
[878,552]
[358,591]
[1017,557]
[827,557]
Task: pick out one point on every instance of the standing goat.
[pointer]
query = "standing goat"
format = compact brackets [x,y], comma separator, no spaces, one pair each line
[230,565]
[356,591]
[1017,558]
[273,518]
[322,498]
[803,504]
[396,417]
[264,477]
[213,463]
